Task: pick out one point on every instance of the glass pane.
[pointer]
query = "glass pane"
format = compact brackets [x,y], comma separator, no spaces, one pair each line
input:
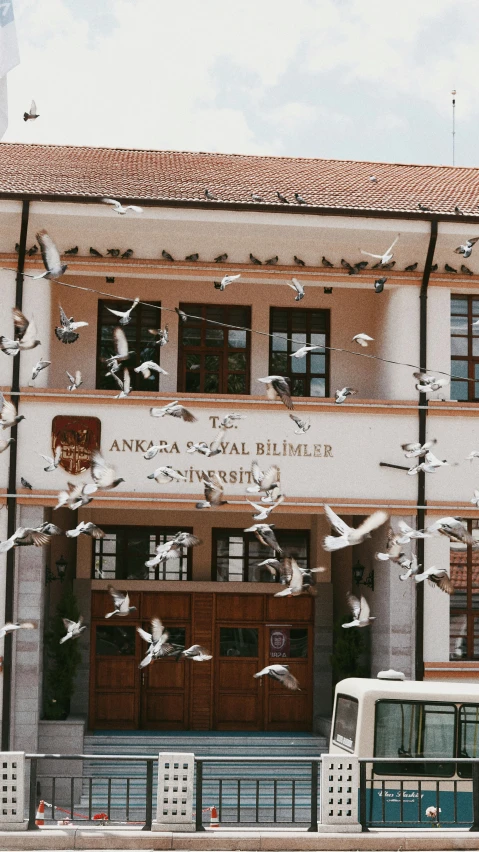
[459,391]
[238,642]
[298,323]
[191,336]
[215,313]
[177,635]
[236,383]
[475,307]
[279,320]
[458,325]
[137,552]
[115,641]
[236,339]
[298,365]
[298,340]
[318,363]
[106,568]
[318,387]
[279,363]
[459,368]
[459,346]
[318,324]
[192,382]
[279,343]
[298,642]
[408,729]
[297,387]
[212,363]
[459,306]
[193,362]
[345,721]
[107,544]
[212,382]
[468,735]
[214,337]
[237,362]
[318,339]
[476,390]
[458,637]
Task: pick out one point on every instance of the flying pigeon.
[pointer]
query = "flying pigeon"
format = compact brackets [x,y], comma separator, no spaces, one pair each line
[95,253]
[148,367]
[32,114]
[75,381]
[272,261]
[124,316]
[394,551]
[103,473]
[42,364]
[166,474]
[303,350]
[196,652]
[228,419]
[410,568]
[10,627]
[8,413]
[408,533]
[73,628]
[212,449]
[299,199]
[298,261]
[267,481]
[298,289]
[161,335]
[78,494]
[71,251]
[173,548]
[379,284]
[428,384]
[417,450]
[348,536]
[174,409]
[166,255]
[278,386]
[326,263]
[430,464]
[281,674]
[300,579]
[121,602]
[227,279]
[222,258]
[265,535]
[214,492]
[362,339]
[158,642]
[453,529]
[386,257]
[52,463]
[157,448]
[85,528]
[474,454]
[50,256]
[282,198]
[437,577]
[263,511]
[466,249]
[303,425]
[5,444]
[209,195]
[119,208]
[66,332]
[124,384]
[255,260]
[360,610]
[342,394]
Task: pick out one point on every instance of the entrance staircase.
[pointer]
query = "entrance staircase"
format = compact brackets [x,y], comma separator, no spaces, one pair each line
[220,780]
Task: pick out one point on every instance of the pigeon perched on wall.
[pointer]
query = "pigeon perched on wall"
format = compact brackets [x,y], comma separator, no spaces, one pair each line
[272,261]
[71,251]
[167,256]
[222,258]
[114,252]
[298,261]
[282,198]
[326,263]
[255,260]
[95,253]
[209,195]
[127,253]
[192,258]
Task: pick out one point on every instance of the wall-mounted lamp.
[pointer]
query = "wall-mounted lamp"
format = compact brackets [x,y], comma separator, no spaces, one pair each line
[358,574]
[61,565]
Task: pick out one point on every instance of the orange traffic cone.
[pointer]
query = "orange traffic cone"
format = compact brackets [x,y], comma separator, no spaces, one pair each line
[40,817]
[215,823]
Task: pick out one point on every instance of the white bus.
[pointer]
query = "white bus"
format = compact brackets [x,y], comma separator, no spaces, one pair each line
[410,719]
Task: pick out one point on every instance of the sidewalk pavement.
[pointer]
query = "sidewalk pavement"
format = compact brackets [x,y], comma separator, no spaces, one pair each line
[400,840]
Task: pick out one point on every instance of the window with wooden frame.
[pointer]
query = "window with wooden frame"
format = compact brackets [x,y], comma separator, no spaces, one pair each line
[237,554]
[122,553]
[464,603]
[465,348]
[141,344]
[292,328]
[214,359]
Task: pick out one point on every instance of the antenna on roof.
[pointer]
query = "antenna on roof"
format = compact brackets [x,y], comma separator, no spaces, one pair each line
[453,93]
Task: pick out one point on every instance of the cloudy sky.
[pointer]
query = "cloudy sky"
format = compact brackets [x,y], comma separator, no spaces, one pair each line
[359,79]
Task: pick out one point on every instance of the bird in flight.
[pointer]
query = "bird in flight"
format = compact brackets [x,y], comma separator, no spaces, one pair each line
[117,207]
[466,249]
[121,602]
[227,279]
[386,257]
[349,536]
[67,331]
[278,386]
[73,629]
[124,316]
[280,673]
[32,114]
[360,610]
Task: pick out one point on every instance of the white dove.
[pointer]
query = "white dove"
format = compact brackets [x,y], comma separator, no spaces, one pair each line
[124,316]
[360,610]
[281,674]
[155,449]
[298,289]
[119,208]
[362,339]
[52,463]
[387,256]
[149,367]
[348,536]
[73,628]
[75,381]
[303,350]
[227,279]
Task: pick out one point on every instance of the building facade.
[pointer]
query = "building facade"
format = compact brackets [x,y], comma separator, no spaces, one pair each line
[217,594]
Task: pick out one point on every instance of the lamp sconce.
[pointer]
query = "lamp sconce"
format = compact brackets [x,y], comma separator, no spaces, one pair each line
[358,574]
[61,565]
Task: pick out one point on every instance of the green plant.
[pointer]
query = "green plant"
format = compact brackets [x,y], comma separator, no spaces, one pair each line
[349,646]
[61,661]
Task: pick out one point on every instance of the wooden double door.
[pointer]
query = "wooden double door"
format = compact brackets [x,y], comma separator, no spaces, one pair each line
[244,633]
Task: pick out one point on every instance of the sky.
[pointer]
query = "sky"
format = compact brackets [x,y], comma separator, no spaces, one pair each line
[347,79]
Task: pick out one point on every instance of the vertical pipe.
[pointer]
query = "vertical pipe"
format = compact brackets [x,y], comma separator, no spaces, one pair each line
[314,796]
[149,796]
[363,819]
[11,501]
[32,803]
[199,796]
[421,479]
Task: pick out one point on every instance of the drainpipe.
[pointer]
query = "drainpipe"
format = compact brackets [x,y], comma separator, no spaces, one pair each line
[421,480]
[11,501]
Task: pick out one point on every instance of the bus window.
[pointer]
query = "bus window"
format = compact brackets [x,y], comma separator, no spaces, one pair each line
[345,721]
[468,736]
[414,729]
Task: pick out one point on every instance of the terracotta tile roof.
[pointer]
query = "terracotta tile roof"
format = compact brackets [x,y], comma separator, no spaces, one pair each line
[183,177]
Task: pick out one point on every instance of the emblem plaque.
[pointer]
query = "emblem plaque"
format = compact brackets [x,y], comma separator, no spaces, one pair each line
[78,437]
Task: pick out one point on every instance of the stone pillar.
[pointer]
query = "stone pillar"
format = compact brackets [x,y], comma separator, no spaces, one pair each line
[12,764]
[323,648]
[339,793]
[27,669]
[175,792]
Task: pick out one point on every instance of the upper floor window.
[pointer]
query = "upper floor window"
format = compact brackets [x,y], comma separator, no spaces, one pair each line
[122,553]
[237,554]
[212,358]
[141,343]
[465,348]
[293,328]
[464,606]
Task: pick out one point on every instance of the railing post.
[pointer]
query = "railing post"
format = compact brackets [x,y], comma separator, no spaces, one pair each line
[314,796]
[199,795]
[475,796]
[363,819]
[32,804]
[149,796]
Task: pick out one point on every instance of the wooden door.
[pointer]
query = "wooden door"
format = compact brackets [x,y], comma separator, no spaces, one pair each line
[114,702]
[238,694]
[285,709]
[165,687]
